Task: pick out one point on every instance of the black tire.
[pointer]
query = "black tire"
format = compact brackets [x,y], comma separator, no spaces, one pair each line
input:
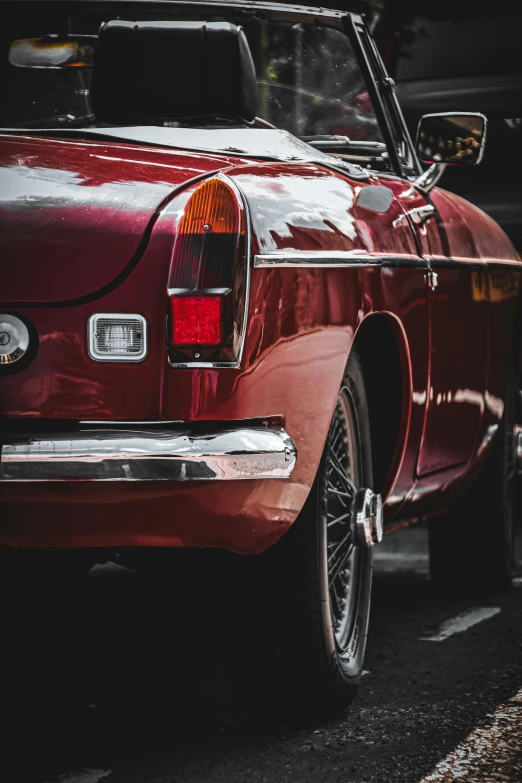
[293,661]
[472,547]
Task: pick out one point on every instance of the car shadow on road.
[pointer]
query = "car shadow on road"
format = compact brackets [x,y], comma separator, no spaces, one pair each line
[113,671]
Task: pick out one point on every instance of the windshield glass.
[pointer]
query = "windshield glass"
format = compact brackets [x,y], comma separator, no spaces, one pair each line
[309,80]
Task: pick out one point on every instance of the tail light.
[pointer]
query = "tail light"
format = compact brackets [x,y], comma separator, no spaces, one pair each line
[197,320]
[208,277]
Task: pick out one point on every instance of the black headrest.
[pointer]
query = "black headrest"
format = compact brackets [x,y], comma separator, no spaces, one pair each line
[154,72]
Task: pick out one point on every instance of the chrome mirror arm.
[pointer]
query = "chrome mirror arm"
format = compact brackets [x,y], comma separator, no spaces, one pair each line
[430,177]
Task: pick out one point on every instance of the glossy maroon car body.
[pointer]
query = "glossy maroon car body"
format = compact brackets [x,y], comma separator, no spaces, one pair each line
[90,224]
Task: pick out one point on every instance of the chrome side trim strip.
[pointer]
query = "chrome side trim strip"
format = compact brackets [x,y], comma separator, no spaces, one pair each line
[149,455]
[331,259]
[504,262]
[326,259]
[473,263]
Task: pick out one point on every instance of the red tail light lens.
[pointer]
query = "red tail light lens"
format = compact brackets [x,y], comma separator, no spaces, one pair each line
[208,276]
[196,320]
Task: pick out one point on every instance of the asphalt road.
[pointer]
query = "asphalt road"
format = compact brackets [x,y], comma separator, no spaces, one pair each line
[101,682]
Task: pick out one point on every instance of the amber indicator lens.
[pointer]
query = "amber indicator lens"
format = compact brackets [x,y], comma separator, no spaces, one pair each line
[206,245]
[196,320]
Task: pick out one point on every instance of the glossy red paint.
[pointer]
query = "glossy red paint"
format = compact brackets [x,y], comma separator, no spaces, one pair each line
[302,324]
[74,214]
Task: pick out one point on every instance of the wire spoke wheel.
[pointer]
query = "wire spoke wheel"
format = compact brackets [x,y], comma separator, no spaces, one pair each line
[343,477]
[305,602]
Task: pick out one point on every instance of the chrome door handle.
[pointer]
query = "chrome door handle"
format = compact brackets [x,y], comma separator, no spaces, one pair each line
[420,215]
[432,279]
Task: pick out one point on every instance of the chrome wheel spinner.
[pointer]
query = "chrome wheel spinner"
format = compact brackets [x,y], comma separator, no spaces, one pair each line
[517,440]
[367,518]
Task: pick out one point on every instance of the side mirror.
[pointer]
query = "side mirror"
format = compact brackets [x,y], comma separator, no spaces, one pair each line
[456,138]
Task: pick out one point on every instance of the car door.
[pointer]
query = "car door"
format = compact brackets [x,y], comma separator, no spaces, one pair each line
[455,277]
[457,295]
[458,286]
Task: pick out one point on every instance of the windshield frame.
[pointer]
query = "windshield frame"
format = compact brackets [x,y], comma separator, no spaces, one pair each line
[268,10]
[257,9]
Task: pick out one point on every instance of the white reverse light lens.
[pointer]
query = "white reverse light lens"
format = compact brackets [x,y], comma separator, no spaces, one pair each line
[117,337]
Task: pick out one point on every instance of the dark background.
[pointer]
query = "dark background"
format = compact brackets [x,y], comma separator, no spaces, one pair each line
[460,56]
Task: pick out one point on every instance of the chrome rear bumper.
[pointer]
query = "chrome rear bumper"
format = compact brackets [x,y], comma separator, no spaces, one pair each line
[126,453]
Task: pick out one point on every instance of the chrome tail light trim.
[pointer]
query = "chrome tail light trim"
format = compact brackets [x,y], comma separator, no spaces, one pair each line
[236,364]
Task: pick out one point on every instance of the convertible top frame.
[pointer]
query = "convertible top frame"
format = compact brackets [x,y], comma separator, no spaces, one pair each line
[353,24]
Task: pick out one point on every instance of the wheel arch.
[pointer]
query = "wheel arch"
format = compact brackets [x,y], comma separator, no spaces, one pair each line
[382,347]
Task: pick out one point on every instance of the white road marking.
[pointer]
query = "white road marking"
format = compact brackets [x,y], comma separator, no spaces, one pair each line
[462,622]
[489,753]
[517,581]
[84,776]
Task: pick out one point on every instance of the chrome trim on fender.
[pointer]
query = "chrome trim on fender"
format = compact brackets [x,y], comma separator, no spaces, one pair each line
[326,259]
[181,454]
[333,259]
[504,262]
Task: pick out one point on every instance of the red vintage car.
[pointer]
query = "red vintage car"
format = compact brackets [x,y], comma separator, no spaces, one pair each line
[237,314]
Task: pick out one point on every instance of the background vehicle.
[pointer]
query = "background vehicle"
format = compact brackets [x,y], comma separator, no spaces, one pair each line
[219,336]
